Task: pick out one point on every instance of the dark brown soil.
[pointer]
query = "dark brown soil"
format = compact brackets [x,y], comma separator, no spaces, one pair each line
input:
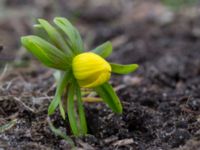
[161,101]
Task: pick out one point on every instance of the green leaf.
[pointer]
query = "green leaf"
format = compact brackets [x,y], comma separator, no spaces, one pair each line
[48,54]
[123,69]
[60,88]
[104,50]
[39,31]
[71,110]
[55,36]
[72,33]
[62,111]
[53,105]
[82,119]
[109,96]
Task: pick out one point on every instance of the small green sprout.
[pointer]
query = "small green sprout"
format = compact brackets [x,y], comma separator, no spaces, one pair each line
[61,48]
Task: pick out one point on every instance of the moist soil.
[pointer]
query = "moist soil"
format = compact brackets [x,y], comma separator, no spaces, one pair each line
[161,100]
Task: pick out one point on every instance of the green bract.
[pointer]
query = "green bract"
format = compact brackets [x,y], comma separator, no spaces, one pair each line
[56,47]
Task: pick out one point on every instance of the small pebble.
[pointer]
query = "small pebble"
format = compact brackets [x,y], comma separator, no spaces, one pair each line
[179,137]
[194,104]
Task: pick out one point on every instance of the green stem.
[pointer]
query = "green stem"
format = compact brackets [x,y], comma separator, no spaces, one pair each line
[82,119]
[71,112]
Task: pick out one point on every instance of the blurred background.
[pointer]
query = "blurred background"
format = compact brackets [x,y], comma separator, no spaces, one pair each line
[134,26]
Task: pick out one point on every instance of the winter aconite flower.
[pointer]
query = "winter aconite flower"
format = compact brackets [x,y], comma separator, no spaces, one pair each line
[90,70]
[61,48]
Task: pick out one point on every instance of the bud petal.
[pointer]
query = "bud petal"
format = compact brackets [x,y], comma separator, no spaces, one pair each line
[90,69]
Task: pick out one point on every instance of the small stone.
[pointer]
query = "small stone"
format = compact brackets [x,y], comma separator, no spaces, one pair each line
[194,104]
[66,144]
[179,137]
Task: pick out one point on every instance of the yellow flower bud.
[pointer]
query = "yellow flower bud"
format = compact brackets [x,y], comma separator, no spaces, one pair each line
[90,69]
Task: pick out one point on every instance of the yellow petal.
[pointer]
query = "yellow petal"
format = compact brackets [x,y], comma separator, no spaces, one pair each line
[90,69]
